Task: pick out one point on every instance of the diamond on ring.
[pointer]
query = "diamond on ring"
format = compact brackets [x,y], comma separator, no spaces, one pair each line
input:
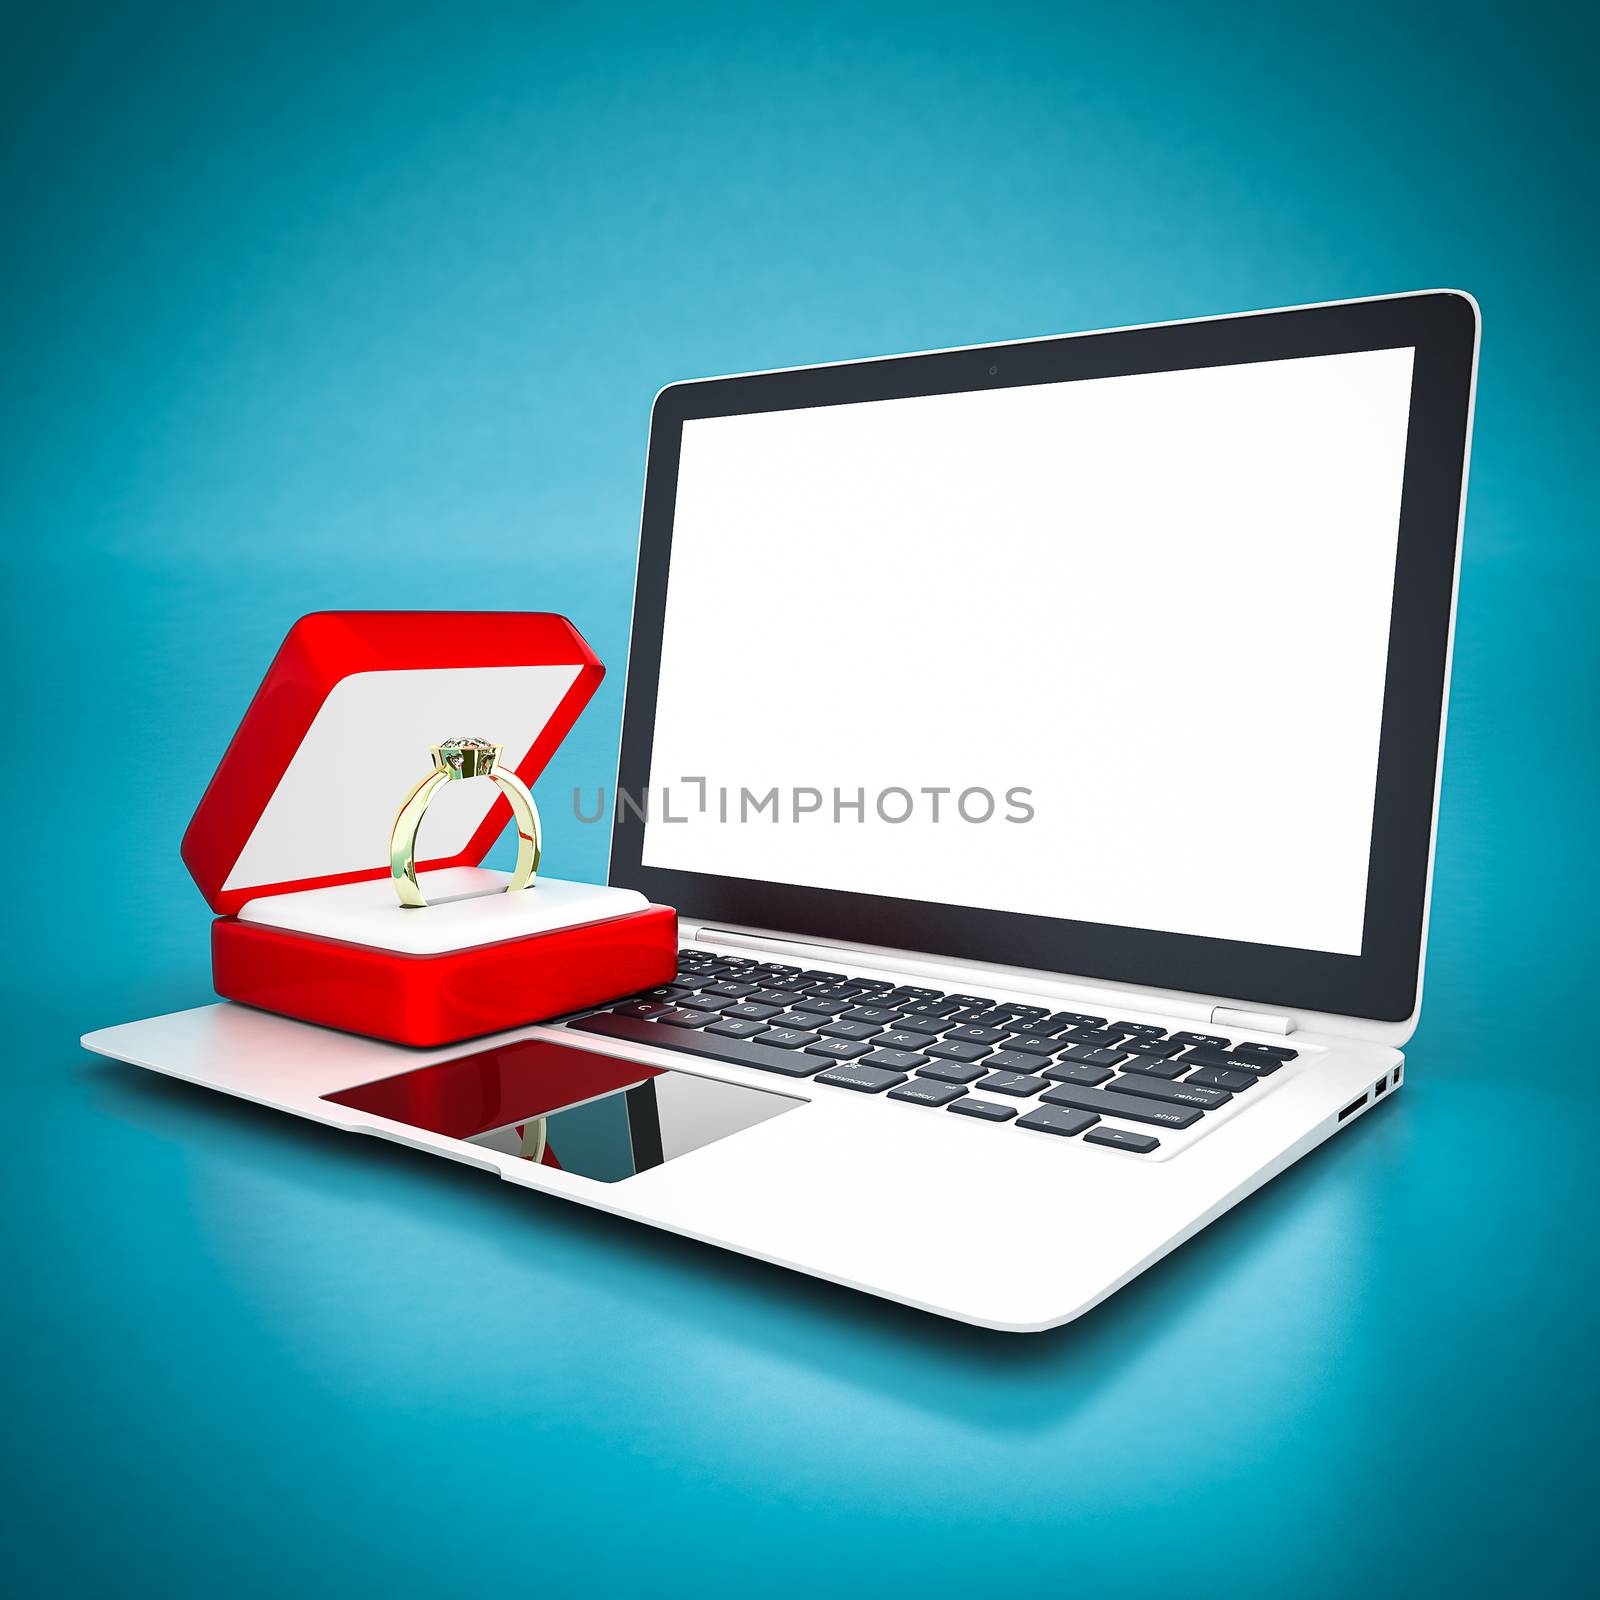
[467,758]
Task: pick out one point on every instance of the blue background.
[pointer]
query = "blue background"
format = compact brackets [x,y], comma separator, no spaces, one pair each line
[364,305]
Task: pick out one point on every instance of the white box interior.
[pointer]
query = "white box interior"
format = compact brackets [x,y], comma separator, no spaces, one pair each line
[334,806]
[468,906]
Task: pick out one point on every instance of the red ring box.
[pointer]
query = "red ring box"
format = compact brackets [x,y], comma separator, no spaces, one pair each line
[290,841]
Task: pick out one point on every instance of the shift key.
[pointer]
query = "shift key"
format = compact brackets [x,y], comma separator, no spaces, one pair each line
[1126,1106]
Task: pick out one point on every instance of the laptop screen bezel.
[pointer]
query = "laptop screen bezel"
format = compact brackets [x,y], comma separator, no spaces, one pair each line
[1382,982]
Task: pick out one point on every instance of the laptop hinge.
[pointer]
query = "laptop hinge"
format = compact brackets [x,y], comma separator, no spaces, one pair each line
[1251,1021]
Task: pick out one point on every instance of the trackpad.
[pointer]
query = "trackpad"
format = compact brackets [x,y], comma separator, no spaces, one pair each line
[596,1115]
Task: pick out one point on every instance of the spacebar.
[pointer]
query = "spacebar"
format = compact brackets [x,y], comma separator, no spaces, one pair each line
[741,1052]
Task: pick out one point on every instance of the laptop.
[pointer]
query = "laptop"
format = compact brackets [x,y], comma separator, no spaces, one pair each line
[1041,742]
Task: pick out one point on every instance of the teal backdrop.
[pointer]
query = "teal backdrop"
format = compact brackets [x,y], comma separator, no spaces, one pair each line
[364,305]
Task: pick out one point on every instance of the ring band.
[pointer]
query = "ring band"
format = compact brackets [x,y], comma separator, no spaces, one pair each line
[454,760]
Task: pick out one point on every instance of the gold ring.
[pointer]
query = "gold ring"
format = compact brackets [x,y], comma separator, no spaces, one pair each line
[453,760]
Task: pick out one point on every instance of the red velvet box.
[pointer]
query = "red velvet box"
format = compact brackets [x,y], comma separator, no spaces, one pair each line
[290,841]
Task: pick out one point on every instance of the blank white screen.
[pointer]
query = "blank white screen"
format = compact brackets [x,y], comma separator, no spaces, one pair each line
[1161,603]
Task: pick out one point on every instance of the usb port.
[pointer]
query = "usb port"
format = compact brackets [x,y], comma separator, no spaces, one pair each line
[1351,1109]
[1379,1087]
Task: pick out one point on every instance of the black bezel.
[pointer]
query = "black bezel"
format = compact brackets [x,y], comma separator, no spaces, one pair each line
[1381,982]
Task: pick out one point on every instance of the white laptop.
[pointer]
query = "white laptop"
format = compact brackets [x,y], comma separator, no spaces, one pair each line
[1041,743]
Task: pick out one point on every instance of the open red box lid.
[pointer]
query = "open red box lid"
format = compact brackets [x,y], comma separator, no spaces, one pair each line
[340,730]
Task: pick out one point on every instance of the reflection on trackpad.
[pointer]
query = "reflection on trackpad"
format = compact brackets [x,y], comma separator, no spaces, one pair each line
[596,1115]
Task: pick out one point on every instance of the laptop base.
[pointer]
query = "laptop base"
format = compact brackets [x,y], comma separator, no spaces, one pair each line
[996,1227]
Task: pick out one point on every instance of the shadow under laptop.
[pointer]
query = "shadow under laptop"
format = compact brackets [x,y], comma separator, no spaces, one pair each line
[663,1291]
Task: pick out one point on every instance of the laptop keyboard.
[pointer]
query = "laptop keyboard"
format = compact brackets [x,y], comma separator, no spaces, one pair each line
[1065,1073]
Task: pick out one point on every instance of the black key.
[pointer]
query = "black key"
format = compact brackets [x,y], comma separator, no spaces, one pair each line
[915,1022]
[974,1036]
[788,1038]
[987,1109]
[952,1072]
[822,1008]
[1012,1083]
[1260,1066]
[871,983]
[1031,1044]
[1155,1068]
[770,997]
[706,1002]
[1009,1060]
[850,1030]
[1069,1019]
[1057,1120]
[959,1050]
[1095,1038]
[821,976]
[731,991]
[903,1039]
[930,1008]
[749,1011]
[1086,1055]
[779,969]
[1137,1030]
[1222,1078]
[895,1060]
[834,992]
[671,993]
[799,1019]
[683,1019]
[1151,1049]
[1123,1139]
[968,1016]
[839,1049]
[923,1092]
[737,1030]
[1084,1077]
[1021,1011]
[1277,1052]
[1130,1107]
[865,1080]
[1211,1041]
[912,993]
[741,1052]
[971,1000]
[1042,1028]
[640,1008]
[882,1015]
[1177,1094]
